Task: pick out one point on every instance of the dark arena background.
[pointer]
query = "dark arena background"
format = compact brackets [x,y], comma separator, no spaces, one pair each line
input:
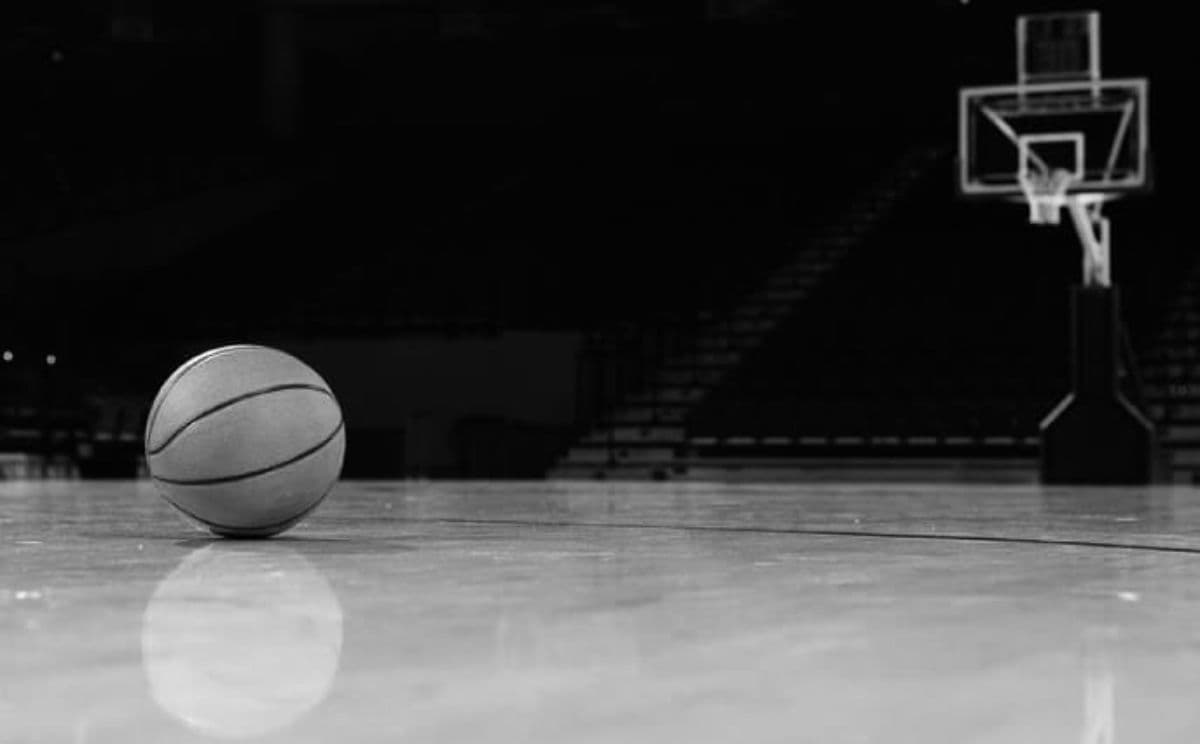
[597,240]
[608,279]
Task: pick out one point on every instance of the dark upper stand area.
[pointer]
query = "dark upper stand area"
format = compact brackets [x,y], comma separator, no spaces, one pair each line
[177,178]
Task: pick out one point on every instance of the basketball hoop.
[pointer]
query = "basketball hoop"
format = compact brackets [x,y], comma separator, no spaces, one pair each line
[1046,194]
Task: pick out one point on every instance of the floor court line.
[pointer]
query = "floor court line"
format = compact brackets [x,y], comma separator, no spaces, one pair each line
[820,533]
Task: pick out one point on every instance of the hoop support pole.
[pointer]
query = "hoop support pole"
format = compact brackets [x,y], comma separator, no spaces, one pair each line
[1094,233]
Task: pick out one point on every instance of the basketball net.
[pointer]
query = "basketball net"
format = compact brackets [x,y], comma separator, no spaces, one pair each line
[1046,193]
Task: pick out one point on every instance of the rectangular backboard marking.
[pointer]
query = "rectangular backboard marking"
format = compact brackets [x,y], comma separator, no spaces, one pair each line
[1028,153]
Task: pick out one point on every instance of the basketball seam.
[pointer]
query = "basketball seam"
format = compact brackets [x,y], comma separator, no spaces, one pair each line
[258,471]
[178,374]
[230,402]
[274,526]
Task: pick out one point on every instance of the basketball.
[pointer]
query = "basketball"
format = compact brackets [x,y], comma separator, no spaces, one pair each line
[245,440]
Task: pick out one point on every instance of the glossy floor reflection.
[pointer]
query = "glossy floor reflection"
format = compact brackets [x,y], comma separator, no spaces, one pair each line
[548,612]
[240,642]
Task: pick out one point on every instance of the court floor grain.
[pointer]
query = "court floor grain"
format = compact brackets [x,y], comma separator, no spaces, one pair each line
[556,612]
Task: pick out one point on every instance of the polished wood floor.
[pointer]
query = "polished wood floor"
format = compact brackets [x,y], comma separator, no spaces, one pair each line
[625,613]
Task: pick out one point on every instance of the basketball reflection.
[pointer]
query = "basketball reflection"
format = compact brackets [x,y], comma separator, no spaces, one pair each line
[239,642]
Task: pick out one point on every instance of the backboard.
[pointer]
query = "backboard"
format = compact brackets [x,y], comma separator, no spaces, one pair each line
[1095,130]
[1063,138]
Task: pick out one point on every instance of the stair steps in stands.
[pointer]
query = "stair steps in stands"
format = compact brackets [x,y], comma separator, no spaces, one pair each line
[644,436]
[1171,373]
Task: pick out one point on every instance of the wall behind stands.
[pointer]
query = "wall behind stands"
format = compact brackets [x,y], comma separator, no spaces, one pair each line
[496,406]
